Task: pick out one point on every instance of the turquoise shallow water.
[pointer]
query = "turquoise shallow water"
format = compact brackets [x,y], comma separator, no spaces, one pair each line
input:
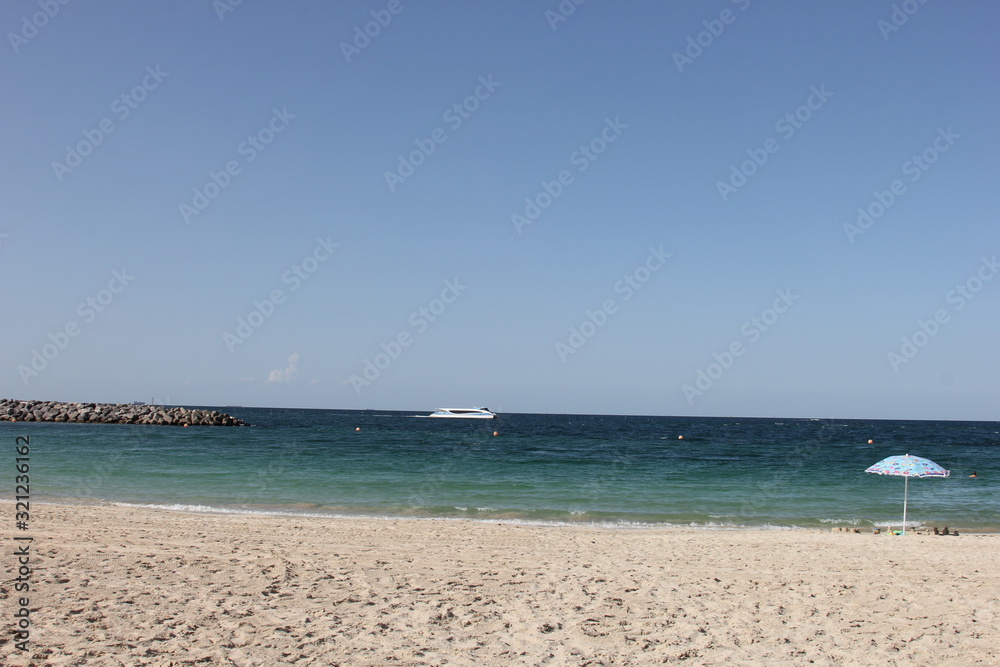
[725,472]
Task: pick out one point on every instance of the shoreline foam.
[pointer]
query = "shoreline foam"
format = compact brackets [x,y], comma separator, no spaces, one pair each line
[318,511]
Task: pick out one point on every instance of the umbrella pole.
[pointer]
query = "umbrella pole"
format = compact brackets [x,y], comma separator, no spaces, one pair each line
[906,493]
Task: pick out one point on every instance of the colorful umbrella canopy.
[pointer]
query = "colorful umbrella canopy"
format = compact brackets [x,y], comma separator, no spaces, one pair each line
[907,466]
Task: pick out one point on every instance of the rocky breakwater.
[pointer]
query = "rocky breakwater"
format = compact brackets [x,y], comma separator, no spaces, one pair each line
[111,413]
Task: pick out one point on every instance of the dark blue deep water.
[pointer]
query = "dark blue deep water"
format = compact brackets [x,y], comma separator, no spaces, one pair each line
[725,472]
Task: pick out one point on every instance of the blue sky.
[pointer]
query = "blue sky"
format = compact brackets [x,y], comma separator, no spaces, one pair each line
[640,209]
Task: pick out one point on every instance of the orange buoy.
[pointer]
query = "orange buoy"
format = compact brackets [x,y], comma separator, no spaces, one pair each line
[358,428]
[871,442]
[496,432]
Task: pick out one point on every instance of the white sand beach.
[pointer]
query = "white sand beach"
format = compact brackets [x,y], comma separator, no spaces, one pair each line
[126,586]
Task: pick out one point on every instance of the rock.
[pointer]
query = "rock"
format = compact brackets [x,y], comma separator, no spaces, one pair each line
[94,413]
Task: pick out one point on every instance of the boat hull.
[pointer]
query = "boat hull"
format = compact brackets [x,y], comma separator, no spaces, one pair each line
[463,416]
[463,413]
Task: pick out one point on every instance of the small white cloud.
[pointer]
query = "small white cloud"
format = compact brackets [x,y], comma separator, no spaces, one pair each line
[286,374]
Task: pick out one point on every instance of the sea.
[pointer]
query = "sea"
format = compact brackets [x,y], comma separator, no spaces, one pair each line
[552,469]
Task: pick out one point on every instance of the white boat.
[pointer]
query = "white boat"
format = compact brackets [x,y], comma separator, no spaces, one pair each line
[464,413]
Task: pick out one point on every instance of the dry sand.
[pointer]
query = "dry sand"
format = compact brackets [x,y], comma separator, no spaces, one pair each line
[127,586]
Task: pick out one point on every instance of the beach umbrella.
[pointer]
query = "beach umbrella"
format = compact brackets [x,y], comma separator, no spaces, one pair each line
[906,467]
